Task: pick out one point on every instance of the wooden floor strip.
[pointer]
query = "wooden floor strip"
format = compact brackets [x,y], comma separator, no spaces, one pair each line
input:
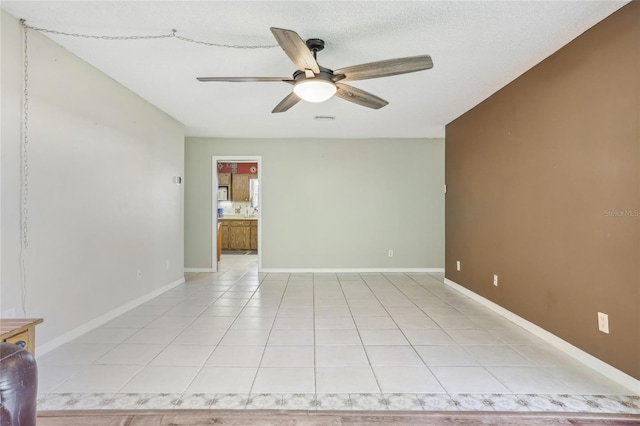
[322,418]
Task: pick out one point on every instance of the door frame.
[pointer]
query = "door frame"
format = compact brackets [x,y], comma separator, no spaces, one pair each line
[214,202]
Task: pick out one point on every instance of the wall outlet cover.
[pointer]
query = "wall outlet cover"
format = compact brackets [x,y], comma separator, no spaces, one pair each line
[603,322]
[458,265]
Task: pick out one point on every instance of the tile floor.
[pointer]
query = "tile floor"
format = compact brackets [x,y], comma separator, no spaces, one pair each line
[243,339]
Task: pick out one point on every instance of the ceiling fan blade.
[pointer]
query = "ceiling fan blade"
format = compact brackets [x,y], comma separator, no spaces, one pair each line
[385,68]
[360,97]
[286,103]
[296,49]
[246,79]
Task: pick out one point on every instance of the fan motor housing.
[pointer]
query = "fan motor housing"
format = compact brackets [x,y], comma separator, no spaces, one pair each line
[324,74]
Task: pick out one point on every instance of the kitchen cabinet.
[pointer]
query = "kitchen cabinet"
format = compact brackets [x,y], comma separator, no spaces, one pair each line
[254,235]
[224,234]
[240,187]
[240,235]
[224,179]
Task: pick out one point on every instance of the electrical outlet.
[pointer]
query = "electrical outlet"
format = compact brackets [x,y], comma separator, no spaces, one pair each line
[390,253]
[603,322]
[458,265]
[139,274]
[495,280]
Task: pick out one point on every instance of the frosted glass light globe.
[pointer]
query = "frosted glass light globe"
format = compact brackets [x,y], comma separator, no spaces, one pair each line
[314,90]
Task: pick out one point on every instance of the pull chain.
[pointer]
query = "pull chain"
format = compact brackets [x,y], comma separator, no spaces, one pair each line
[24,211]
[174,34]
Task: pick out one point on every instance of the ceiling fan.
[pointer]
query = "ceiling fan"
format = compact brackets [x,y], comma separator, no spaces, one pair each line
[315,83]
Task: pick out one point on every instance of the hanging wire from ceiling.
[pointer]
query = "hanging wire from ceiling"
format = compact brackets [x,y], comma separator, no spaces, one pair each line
[24,192]
[173,34]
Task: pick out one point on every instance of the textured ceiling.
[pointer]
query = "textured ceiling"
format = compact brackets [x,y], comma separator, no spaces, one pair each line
[477,47]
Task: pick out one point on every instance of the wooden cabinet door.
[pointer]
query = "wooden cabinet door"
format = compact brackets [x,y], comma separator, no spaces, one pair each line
[240,187]
[254,235]
[239,237]
[224,179]
[224,231]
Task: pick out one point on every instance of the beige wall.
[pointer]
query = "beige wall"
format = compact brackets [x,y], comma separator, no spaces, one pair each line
[534,175]
[330,203]
[101,199]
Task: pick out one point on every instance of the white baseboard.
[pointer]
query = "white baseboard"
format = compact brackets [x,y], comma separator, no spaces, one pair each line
[347,270]
[199,270]
[102,319]
[589,360]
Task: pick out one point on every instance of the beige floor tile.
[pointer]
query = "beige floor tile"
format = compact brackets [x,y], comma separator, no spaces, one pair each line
[376,323]
[383,337]
[183,355]
[253,323]
[393,356]
[288,356]
[131,354]
[291,337]
[98,379]
[284,380]
[236,356]
[406,379]
[337,337]
[474,337]
[352,379]
[529,380]
[334,323]
[199,336]
[285,323]
[340,355]
[445,355]
[223,380]
[245,337]
[500,355]
[161,379]
[468,380]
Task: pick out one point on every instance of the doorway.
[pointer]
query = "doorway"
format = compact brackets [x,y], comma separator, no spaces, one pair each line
[236,216]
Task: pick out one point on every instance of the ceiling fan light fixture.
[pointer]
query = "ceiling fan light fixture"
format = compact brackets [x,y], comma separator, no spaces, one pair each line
[315,90]
[314,83]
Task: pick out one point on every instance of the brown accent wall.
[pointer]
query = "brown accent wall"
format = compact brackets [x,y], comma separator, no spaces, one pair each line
[543,189]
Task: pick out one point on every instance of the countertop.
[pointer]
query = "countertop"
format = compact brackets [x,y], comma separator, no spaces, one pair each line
[237,217]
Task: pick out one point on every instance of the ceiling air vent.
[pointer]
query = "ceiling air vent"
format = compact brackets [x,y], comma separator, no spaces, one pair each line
[324,117]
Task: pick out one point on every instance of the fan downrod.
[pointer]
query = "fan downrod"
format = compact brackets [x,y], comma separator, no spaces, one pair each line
[315,45]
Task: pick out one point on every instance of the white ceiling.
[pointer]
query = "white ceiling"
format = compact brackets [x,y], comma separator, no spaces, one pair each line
[477,47]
